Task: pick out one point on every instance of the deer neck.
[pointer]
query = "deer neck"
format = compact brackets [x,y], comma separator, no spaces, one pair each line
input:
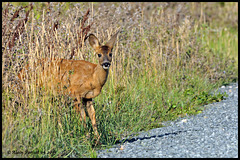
[101,74]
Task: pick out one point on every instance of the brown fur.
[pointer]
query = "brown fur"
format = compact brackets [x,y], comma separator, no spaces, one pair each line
[78,78]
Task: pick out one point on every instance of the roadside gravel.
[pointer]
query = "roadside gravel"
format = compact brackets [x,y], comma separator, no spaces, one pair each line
[212,133]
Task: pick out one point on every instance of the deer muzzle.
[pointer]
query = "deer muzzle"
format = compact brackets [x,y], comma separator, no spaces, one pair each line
[106,65]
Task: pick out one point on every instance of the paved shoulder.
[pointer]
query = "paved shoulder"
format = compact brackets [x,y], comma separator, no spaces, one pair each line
[213,133]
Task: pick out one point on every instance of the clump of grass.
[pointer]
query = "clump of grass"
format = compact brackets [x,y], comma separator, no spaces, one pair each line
[168,58]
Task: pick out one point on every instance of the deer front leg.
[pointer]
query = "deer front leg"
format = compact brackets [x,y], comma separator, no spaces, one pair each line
[76,106]
[79,106]
[92,93]
[91,113]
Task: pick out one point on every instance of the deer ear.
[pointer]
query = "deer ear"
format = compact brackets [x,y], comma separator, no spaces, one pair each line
[94,42]
[111,42]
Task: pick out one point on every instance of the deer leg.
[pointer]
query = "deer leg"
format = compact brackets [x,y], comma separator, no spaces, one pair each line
[83,114]
[79,106]
[76,106]
[91,113]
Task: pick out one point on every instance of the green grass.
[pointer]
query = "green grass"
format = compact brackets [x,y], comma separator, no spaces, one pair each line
[163,68]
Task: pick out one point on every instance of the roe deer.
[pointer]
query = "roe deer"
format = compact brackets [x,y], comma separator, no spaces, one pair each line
[79,79]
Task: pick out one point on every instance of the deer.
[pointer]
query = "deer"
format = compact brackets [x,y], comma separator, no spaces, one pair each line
[80,79]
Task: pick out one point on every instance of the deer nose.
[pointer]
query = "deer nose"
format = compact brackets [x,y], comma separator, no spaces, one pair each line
[106,65]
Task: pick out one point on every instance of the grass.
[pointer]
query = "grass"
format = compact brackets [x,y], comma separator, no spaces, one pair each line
[168,58]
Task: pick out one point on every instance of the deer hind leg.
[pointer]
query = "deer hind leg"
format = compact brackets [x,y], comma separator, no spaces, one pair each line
[79,107]
[91,113]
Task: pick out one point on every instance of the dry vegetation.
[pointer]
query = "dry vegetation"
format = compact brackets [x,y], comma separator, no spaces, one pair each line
[167,59]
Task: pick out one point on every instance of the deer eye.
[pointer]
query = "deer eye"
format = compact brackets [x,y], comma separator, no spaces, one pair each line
[110,54]
[99,55]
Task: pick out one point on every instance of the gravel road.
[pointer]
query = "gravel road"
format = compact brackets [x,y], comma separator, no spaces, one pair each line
[212,133]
